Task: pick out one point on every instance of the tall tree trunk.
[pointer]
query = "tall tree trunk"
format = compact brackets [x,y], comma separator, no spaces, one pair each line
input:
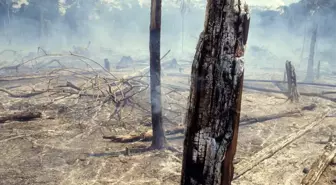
[159,140]
[310,67]
[215,96]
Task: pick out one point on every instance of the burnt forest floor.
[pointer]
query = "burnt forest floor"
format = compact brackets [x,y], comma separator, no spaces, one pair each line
[66,146]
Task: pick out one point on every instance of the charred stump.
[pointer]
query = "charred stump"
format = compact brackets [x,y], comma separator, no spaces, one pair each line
[125,62]
[213,113]
[172,64]
[293,93]
[107,64]
[159,140]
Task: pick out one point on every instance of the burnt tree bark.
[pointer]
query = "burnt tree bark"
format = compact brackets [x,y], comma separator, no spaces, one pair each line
[213,113]
[293,93]
[310,67]
[159,140]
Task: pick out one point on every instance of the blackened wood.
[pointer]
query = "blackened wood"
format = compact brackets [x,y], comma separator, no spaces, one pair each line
[215,95]
[20,116]
[159,140]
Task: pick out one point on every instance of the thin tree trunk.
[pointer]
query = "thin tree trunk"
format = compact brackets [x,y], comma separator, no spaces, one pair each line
[159,140]
[213,113]
[310,67]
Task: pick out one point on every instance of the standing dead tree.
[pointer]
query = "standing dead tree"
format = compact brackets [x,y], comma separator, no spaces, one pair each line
[293,93]
[159,140]
[213,113]
[310,67]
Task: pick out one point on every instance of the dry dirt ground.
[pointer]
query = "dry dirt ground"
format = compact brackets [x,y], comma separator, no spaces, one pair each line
[66,147]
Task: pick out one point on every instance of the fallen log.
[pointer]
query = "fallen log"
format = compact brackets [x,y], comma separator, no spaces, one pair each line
[249,121]
[144,136]
[247,164]
[147,136]
[26,95]
[266,81]
[320,95]
[320,165]
[299,83]
[20,116]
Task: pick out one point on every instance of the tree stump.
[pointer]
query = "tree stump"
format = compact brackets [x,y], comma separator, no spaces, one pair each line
[293,93]
[213,113]
[107,64]
[125,62]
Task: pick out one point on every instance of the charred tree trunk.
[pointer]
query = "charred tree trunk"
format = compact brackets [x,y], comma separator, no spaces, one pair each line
[310,67]
[293,93]
[159,140]
[213,113]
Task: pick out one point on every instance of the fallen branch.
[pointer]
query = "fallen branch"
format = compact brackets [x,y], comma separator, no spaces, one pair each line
[144,136]
[299,83]
[248,121]
[247,164]
[280,92]
[320,165]
[27,95]
[20,116]
[264,81]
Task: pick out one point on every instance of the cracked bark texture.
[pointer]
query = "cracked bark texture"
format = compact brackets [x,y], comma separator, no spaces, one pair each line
[213,113]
